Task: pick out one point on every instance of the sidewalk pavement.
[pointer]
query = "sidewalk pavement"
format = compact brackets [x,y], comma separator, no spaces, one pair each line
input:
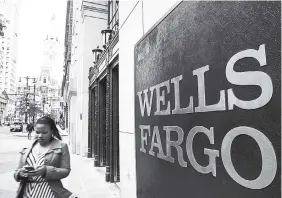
[87,181]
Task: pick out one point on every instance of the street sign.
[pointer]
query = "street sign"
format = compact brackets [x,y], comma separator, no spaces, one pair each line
[208,102]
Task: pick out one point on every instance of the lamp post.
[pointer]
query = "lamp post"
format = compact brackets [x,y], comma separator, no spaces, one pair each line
[106,36]
[44,101]
[27,88]
[33,112]
[96,54]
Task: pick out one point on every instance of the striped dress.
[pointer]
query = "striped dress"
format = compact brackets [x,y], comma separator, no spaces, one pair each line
[40,188]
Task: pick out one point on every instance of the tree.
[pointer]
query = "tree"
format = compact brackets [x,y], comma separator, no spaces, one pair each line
[26,105]
[34,110]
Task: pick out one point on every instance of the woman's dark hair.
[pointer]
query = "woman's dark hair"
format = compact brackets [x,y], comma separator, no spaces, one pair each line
[49,121]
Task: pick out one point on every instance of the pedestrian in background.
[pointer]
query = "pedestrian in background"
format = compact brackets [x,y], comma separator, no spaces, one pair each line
[29,129]
[44,164]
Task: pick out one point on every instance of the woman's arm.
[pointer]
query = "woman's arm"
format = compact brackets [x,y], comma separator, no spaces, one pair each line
[19,167]
[64,170]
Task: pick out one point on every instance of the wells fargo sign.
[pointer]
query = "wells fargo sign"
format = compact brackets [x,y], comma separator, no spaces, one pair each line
[208,102]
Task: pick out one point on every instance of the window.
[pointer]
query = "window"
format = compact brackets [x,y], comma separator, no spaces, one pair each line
[104,125]
[113,15]
[114,161]
[44,80]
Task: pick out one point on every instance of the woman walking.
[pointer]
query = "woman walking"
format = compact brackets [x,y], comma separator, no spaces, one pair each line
[44,164]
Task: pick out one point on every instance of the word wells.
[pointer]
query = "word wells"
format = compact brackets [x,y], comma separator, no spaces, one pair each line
[164,99]
[257,78]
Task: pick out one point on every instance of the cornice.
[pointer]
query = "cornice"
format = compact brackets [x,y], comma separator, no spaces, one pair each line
[71,94]
[94,3]
[94,10]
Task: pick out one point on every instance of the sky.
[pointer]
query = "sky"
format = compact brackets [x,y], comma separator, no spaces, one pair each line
[34,25]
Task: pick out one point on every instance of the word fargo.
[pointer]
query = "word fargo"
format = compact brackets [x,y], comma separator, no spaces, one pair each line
[208,102]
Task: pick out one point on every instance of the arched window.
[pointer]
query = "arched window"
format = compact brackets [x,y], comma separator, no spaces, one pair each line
[44,80]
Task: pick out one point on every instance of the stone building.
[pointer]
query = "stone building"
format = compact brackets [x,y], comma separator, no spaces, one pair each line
[85,19]
[44,91]
[145,39]
[98,85]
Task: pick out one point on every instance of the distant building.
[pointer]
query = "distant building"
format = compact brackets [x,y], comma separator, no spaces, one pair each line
[47,89]
[9,18]
[67,60]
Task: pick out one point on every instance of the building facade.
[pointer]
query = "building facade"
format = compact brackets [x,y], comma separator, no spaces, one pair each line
[112,129]
[44,93]
[104,99]
[67,62]
[85,19]
[110,30]
[144,39]
[9,15]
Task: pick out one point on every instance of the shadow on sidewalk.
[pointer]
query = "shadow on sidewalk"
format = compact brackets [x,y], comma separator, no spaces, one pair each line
[88,181]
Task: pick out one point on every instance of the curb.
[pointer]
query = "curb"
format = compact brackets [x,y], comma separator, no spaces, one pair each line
[20,135]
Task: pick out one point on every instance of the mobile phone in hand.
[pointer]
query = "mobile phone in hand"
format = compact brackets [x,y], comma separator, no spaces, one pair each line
[29,168]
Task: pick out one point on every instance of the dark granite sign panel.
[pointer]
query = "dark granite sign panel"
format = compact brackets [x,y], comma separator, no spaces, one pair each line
[208,102]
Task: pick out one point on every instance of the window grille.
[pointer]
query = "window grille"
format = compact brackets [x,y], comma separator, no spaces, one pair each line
[113,15]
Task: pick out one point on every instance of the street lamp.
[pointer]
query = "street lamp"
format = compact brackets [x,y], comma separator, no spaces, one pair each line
[106,36]
[96,54]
